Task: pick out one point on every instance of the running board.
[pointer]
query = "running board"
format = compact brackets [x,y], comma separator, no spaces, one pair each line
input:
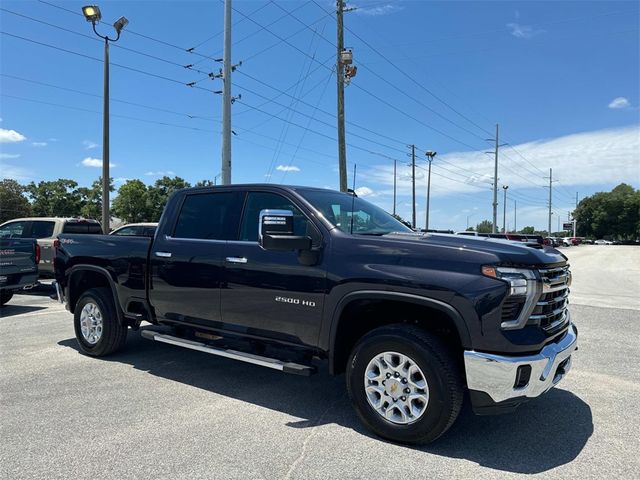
[286,367]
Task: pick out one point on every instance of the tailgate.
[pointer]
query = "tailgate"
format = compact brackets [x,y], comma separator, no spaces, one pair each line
[17,256]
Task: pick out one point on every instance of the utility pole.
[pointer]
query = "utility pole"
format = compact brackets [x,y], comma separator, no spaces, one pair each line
[495,176]
[504,210]
[413,185]
[342,150]
[226,98]
[515,216]
[550,196]
[430,154]
[574,217]
[394,186]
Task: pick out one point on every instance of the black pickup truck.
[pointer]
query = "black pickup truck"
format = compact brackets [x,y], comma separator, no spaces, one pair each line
[285,277]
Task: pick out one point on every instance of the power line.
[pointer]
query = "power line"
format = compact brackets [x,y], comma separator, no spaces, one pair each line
[182,114]
[90,37]
[155,75]
[413,80]
[285,40]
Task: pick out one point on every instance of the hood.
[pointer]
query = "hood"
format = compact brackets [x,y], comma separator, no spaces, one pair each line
[508,252]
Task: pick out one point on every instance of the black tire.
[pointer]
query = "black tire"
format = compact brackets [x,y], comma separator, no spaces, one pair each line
[114,334]
[441,372]
[5,296]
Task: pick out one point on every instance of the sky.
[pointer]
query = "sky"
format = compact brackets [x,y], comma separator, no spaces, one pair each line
[560,78]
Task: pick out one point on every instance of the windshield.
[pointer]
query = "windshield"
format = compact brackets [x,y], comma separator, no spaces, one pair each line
[367,218]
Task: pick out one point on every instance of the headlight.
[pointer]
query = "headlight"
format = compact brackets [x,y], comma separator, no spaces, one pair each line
[523,283]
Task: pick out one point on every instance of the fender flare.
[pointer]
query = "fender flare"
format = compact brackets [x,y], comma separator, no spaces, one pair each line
[451,312]
[105,273]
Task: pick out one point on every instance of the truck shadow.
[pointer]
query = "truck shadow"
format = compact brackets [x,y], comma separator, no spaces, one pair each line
[10,310]
[539,436]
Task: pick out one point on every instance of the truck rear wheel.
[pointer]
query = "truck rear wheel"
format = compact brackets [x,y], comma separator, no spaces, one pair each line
[5,296]
[98,330]
[404,384]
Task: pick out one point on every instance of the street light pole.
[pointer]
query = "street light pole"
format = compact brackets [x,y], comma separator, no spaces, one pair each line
[92,14]
[106,218]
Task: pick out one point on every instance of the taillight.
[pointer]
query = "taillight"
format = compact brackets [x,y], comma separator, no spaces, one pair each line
[37,253]
[56,244]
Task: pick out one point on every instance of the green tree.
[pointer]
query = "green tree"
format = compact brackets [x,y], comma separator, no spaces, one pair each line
[13,203]
[204,183]
[485,226]
[132,202]
[470,229]
[56,198]
[614,214]
[528,230]
[91,199]
[160,192]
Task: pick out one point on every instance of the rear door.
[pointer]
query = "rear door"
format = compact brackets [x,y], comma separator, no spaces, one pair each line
[187,257]
[42,230]
[270,293]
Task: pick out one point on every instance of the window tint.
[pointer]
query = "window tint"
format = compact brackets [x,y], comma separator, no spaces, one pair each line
[128,231]
[41,229]
[82,227]
[257,201]
[149,231]
[12,230]
[211,216]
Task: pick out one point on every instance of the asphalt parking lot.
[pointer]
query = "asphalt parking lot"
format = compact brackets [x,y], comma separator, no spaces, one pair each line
[158,411]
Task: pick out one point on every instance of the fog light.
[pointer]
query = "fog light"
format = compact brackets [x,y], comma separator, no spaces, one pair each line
[523,374]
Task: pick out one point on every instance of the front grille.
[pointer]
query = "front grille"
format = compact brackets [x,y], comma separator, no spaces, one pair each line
[511,308]
[550,311]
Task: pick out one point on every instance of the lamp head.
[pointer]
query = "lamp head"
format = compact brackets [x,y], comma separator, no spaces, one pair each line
[91,13]
[120,24]
[430,153]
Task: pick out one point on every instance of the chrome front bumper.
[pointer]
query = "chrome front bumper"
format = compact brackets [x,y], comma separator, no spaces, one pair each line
[498,375]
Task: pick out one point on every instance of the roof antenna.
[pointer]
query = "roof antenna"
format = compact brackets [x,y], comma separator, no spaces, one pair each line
[353,196]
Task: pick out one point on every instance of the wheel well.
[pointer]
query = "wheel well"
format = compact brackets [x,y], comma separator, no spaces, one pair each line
[82,281]
[361,316]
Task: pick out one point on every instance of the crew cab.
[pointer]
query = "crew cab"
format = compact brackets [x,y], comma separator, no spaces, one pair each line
[18,266]
[286,277]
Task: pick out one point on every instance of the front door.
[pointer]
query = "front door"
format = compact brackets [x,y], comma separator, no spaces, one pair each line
[273,294]
[187,260]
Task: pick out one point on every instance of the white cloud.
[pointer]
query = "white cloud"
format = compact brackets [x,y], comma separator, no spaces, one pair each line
[619,103]
[377,10]
[94,163]
[365,192]
[10,136]
[9,155]
[287,168]
[121,180]
[89,145]
[39,144]
[523,31]
[159,173]
[598,157]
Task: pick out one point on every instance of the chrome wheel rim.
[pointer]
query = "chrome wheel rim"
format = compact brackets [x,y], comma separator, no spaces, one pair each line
[396,388]
[91,323]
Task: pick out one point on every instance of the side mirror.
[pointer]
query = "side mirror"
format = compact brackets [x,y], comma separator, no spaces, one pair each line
[275,232]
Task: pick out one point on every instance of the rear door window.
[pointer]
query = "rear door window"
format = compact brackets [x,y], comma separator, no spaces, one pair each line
[128,231]
[42,229]
[210,216]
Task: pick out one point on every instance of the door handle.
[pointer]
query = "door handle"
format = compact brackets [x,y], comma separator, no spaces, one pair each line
[236,260]
[163,254]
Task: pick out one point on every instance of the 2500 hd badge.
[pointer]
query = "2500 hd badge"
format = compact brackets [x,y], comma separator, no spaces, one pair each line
[296,301]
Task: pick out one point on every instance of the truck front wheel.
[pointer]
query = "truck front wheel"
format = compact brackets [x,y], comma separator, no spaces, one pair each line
[404,384]
[98,330]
